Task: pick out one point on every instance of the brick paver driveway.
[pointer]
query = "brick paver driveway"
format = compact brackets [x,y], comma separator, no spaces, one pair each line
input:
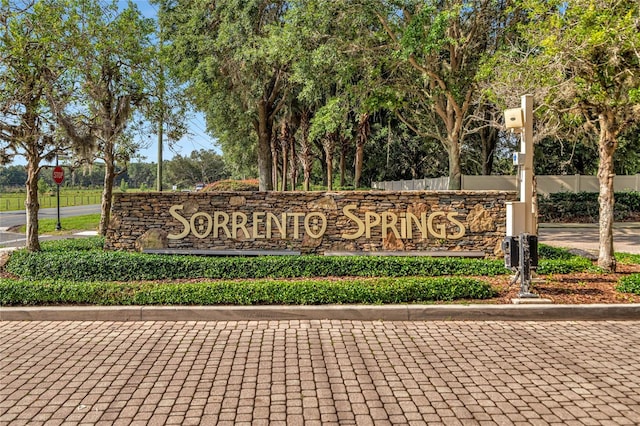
[312,372]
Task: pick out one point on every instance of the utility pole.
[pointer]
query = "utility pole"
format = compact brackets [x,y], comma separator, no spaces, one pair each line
[160,113]
[526,173]
[520,245]
[160,142]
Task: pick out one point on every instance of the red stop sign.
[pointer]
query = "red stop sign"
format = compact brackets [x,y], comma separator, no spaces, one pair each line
[58,175]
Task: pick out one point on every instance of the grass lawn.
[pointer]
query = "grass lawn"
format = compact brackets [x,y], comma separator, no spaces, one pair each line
[88,222]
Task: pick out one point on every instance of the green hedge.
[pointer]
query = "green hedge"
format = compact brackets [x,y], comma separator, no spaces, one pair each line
[119,266]
[73,244]
[264,292]
[84,261]
[629,284]
[583,206]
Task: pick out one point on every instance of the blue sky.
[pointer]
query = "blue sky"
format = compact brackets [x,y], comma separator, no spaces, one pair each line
[196,139]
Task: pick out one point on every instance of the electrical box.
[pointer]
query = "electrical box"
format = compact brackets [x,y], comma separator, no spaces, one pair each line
[511,252]
[513,118]
[516,211]
[518,158]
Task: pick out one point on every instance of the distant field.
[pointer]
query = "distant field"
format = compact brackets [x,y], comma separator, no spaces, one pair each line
[10,201]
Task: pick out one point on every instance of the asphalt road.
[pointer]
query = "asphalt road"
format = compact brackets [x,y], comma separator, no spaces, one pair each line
[626,237]
[17,218]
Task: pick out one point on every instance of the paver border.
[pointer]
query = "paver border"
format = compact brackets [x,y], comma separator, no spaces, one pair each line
[452,312]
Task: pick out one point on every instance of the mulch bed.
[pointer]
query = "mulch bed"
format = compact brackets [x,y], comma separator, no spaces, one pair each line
[576,288]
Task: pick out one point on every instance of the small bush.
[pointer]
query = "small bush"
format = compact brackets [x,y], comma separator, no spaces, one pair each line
[73,244]
[566,266]
[628,258]
[264,292]
[233,185]
[629,284]
[555,253]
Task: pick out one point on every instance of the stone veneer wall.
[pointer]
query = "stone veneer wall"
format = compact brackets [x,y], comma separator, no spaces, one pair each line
[143,220]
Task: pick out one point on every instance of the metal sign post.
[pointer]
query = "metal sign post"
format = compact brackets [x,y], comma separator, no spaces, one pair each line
[58,178]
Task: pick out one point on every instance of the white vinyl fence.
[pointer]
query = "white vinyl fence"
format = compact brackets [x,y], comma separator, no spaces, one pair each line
[546,184]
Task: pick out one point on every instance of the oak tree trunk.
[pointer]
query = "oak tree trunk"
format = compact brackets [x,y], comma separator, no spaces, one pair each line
[284,149]
[329,144]
[32,207]
[606,147]
[343,161]
[107,194]
[455,171]
[263,128]
[294,164]
[273,146]
[306,152]
[364,129]
[489,140]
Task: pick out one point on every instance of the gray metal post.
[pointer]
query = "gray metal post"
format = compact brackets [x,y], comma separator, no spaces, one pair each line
[525,268]
[58,224]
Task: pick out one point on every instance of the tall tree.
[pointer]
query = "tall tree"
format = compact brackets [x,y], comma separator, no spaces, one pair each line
[204,166]
[338,59]
[12,176]
[29,52]
[221,49]
[110,54]
[586,55]
[140,175]
[444,41]
[167,108]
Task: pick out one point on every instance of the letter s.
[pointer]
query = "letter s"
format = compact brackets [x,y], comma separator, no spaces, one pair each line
[185,222]
[360,223]
[461,231]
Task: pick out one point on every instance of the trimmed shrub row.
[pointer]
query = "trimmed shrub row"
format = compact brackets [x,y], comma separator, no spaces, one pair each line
[548,252]
[367,291]
[121,266]
[84,260]
[94,265]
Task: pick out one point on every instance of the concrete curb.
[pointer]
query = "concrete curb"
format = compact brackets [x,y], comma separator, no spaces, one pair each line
[476,312]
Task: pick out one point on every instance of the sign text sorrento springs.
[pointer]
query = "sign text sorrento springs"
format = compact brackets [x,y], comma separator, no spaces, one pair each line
[314,222]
